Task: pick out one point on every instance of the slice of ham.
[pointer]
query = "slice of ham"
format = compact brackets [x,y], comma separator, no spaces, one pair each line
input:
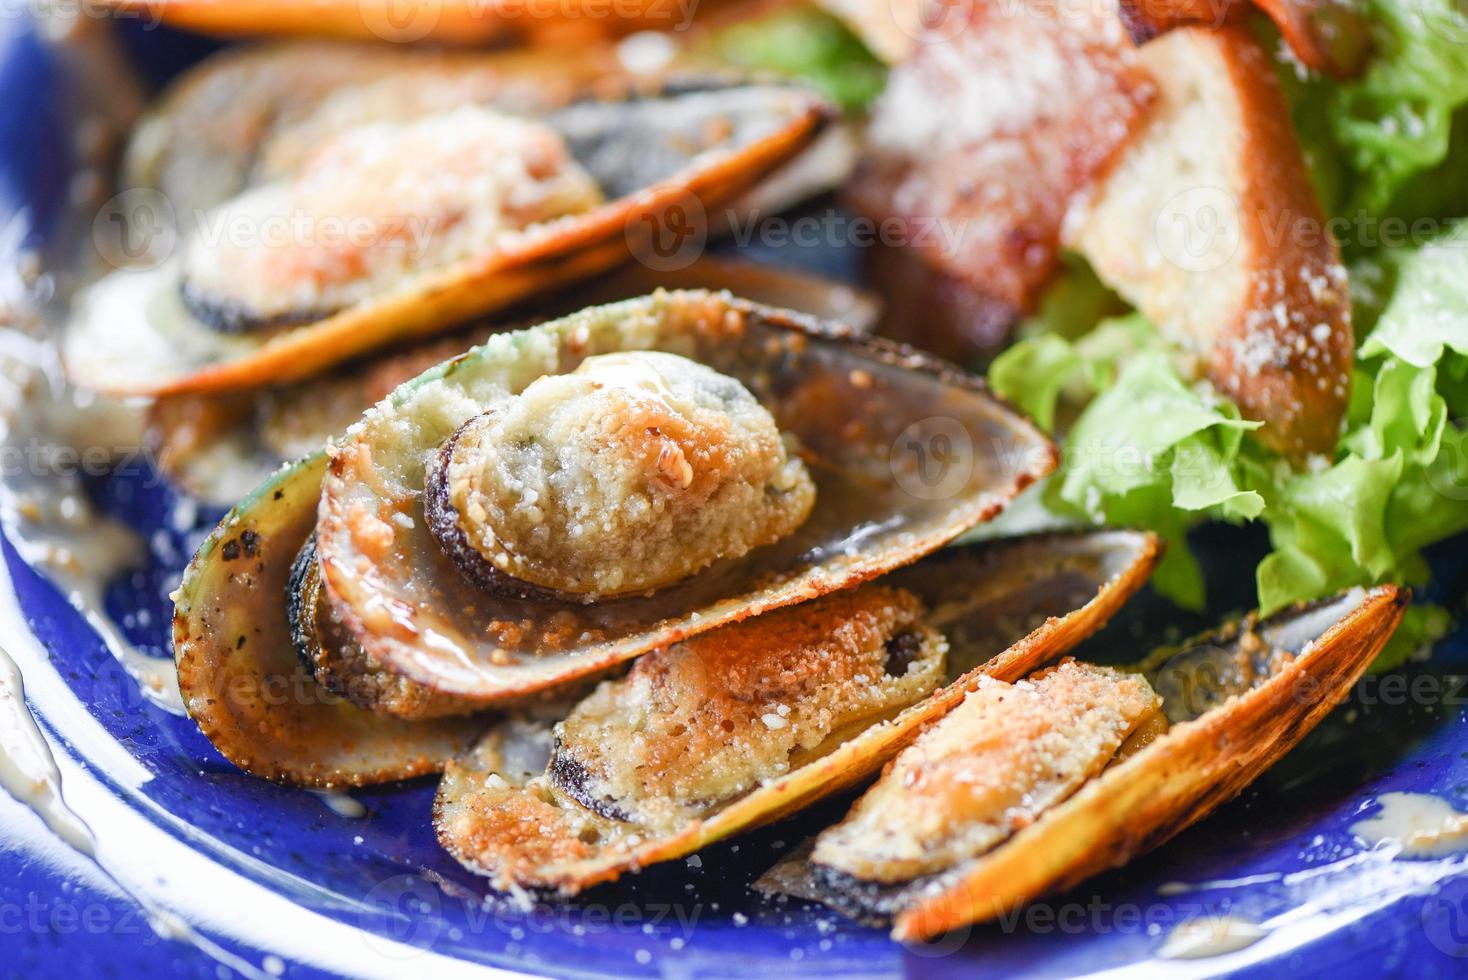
[986,134]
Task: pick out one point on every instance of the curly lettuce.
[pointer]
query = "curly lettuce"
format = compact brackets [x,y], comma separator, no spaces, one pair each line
[1149,449]
[1369,139]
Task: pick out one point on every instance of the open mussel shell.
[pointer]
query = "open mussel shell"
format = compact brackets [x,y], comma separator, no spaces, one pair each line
[868,416]
[1237,700]
[220,446]
[241,680]
[1005,606]
[662,159]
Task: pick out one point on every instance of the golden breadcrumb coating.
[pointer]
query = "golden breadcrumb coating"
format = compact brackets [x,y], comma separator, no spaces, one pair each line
[987,769]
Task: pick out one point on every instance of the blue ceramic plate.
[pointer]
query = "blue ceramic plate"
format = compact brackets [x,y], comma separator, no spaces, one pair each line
[198,869]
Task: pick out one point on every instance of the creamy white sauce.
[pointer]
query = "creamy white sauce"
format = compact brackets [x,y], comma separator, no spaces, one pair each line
[1210,935]
[646,52]
[81,553]
[50,433]
[340,803]
[28,769]
[1415,825]
[28,772]
[1185,887]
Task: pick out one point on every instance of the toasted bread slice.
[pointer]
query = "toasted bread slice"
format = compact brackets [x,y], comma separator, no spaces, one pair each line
[1207,222]
[984,136]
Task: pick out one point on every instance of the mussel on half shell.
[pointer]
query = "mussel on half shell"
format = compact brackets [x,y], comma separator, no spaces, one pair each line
[742,725]
[451,22]
[250,113]
[1029,788]
[266,290]
[868,419]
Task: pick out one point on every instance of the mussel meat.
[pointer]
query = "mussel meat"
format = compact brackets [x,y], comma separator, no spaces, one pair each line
[383,617]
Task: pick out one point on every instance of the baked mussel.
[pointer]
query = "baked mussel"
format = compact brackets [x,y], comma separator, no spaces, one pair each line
[388,610]
[400,227]
[740,725]
[1030,787]
[857,422]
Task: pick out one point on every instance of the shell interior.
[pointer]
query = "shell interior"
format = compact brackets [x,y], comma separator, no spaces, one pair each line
[863,411]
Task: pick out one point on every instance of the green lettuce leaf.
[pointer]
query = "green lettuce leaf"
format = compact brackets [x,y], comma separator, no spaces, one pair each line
[1368,138]
[1428,309]
[1149,450]
[1144,446]
[807,43]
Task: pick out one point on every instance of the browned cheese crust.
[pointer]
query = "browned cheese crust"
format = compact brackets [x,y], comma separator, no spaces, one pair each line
[987,769]
[709,719]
